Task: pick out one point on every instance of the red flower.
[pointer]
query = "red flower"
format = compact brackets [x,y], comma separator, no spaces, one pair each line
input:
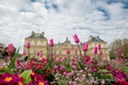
[101,53]
[87,60]
[95,50]
[119,50]
[37,79]
[24,52]
[51,43]
[99,46]
[123,82]
[10,48]
[68,51]
[85,48]
[8,79]
[76,39]
[28,45]
[38,53]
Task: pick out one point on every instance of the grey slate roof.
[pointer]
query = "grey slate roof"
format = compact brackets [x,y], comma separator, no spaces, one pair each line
[37,35]
[97,39]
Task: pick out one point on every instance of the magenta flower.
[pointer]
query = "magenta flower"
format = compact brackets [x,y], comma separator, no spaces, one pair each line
[68,51]
[9,79]
[119,50]
[95,50]
[122,54]
[87,60]
[76,39]
[28,45]
[24,52]
[76,50]
[51,42]
[85,48]
[38,53]
[101,53]
[37,79]
[10,48]
[99,46]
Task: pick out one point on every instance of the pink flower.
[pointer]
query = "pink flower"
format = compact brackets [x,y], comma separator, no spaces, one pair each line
[76,39]
[24,52]
[10,48]
[122,54]
[76,50]
[103,59]
[28,45]
[101,53]
[95,50]
[57,59]
[68,51]
[51,43]
[119,50]
[87,60]
[99,46]
[103,82]
[38,53]
[85,48]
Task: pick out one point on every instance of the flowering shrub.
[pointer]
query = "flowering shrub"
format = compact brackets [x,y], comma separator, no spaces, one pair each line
[70,70]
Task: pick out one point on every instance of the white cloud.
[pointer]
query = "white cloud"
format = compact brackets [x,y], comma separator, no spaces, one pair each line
[19,17]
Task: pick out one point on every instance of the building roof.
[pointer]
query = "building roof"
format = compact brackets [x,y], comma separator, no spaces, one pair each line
[67,40]
[2,45]
[97,39]
[36,35]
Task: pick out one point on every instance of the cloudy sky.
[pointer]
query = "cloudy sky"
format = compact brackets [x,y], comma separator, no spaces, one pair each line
[62,18]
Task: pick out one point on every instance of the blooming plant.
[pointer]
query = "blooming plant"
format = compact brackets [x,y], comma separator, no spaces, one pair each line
[69,70]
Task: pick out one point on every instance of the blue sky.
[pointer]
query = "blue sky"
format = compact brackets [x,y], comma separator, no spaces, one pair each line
[62,18]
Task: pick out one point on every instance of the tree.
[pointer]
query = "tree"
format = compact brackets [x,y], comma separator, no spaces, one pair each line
[119,44]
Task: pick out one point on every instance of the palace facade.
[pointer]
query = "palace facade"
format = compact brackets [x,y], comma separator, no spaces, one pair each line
[39,43]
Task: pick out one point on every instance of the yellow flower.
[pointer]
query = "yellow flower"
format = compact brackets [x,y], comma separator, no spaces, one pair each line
[20,83]
[8,79]
[41,83]
[32,73]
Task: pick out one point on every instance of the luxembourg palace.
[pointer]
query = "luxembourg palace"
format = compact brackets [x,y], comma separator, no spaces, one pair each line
[39,43]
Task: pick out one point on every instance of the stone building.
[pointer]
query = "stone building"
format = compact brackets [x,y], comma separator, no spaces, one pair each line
[94,42]
[1,47]
[39,43]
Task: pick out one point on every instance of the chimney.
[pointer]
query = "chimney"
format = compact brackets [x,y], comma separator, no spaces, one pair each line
[90,37]
[98,37]
[33,32]
[43,33]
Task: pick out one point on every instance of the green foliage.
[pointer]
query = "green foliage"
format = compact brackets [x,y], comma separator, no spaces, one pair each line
[51,62]
[12,63]
[26,76]
[5,69]
[104,70]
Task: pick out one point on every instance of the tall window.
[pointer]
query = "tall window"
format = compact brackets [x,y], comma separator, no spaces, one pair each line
[34,50]
[41,51]
[32,43]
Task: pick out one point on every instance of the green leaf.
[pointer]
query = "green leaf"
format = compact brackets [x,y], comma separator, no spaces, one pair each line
[26,76]
[110,76]
[12,63]
[5,69]
[104,70]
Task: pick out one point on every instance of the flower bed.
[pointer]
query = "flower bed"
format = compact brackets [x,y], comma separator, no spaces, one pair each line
[78,70]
